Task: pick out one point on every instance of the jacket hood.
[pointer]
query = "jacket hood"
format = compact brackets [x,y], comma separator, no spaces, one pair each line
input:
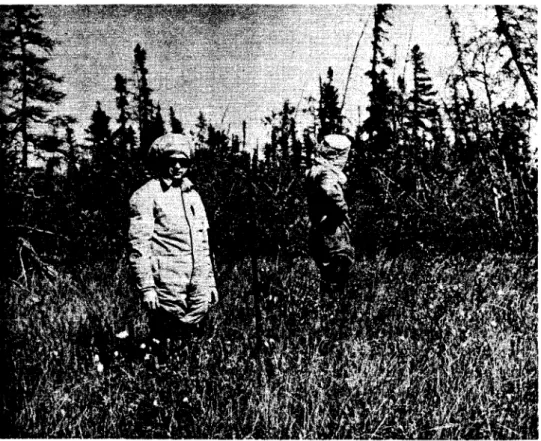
[333,150]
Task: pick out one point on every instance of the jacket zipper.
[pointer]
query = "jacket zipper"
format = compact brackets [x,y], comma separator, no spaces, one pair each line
[191,235]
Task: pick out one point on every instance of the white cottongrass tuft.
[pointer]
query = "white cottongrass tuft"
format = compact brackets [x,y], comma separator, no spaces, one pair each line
[123,334]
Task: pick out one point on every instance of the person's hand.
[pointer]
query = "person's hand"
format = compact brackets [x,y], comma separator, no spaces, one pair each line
[150,299]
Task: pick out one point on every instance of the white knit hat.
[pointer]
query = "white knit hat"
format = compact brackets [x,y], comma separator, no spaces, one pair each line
[172,143]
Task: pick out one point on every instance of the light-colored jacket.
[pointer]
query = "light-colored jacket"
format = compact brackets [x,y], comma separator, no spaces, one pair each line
[169,247]
[330,239]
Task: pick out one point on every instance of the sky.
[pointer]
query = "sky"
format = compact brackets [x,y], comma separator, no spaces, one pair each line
[240,61]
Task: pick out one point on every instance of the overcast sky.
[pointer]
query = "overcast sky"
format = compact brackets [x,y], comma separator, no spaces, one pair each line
[236,62]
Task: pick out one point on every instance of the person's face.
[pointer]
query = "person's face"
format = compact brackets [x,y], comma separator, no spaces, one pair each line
[176,166]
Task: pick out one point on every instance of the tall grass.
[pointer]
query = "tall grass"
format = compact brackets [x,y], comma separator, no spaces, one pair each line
[444,347]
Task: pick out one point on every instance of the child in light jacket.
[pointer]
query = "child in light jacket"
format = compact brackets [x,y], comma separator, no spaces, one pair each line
[330,241]
[168,243]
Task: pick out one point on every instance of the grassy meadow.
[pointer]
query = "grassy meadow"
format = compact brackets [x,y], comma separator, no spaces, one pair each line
[420,347]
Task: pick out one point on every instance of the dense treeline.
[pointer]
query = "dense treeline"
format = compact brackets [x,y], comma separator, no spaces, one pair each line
[426,171]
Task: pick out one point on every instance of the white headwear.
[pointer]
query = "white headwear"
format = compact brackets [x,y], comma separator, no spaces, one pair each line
[172,143]
[334,149]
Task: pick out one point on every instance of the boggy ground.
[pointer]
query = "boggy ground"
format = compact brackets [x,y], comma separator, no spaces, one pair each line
[439,347]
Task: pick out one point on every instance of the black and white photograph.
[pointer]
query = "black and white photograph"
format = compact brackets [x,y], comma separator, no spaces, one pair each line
[269,221]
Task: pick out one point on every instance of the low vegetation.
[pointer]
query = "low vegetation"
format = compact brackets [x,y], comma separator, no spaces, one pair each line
[444,347]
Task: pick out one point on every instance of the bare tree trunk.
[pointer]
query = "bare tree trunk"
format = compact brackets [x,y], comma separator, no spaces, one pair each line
[495,131]
[351,65]
[515,52]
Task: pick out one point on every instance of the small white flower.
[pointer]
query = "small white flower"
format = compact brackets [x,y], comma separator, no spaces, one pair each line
[99,367]
[116,353]
[96,358]
[55,353]
[185,400]
[123,334]
[156,341]
[143,346]
[155,402]
[147,356]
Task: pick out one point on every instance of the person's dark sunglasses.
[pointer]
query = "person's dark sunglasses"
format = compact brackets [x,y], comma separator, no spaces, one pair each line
[183,162]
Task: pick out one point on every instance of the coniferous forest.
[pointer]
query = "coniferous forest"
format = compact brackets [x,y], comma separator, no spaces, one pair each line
[437,335]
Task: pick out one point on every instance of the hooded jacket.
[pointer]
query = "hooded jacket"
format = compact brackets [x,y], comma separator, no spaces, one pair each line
[328,211]
[169,247]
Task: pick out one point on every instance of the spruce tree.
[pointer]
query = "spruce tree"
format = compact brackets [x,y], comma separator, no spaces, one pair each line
[423,92]
[33,85]
[286,131]
[157,124]
[270,150]
[110,183]
[124,136]
[202,130]
[235,145]
[99,135]
[176,124]
[145,107]
[283,129]
[378,127]
[463,112]
[122,102]
[425,119]
[330,111]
